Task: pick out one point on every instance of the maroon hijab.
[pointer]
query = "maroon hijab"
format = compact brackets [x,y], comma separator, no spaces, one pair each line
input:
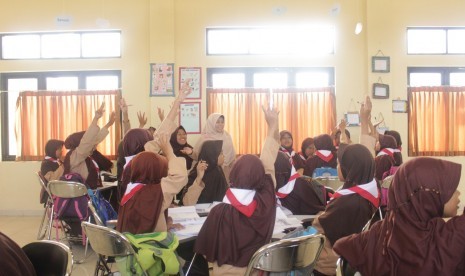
[385,162]
[301,158]
[307,198]
[348,214]
[140,213]
[228,236]
[13,260]
[413,239]
[51,147]
[322,142]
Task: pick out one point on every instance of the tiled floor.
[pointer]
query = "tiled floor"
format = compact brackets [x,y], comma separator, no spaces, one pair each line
[23,230]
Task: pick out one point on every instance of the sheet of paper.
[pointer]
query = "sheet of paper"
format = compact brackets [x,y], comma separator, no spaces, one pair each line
[180,214]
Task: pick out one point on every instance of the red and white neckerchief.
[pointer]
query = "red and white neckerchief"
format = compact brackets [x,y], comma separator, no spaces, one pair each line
[324,155]
[285,190]
[48,158]
[387,151]
[399,149]
[302,156]
[289,154]
[95,165]
[128,158]
[131,190]
[368,191]
[241,199]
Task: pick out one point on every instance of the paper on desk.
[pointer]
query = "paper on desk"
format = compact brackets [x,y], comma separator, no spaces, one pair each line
[189,230]
[282,222]
[180,214]
[205,207]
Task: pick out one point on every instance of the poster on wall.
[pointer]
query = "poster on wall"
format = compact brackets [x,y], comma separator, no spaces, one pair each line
[189,117]
[195,74]
[161,79]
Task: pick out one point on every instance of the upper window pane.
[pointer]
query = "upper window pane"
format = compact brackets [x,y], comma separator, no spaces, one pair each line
[456,41]
[20,46]
[230,80]
[62,83]
[457,79]
[425,79]
[101,44]
[312,79]
[227,41]
[102,83]
[61,45]
[426,41]
[270,80]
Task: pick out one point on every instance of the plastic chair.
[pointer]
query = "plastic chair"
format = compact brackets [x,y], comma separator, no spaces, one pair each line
[44,230]
[287,254]
[50,258]
[106,243]
[98,220]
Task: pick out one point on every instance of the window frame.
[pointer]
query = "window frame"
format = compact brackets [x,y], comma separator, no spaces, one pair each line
[446,29]
[41,82]
[444,71]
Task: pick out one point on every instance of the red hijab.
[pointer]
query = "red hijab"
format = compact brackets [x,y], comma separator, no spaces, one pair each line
[230,237]
[413,239]
[141,212]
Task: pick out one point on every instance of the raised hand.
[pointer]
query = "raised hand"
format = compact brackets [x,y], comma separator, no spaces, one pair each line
[142,119]
[271,116]
[123,105]
[161,114]
[201,168]
[111,119]
[100,111]
[186,89]
[163,142]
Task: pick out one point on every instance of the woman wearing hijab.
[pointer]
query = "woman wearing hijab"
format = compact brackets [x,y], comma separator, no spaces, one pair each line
[287,141]
[386,157]
[350,208]
[151,190]
[82,158]
[180,146]
[244,222]
[207,182]
[14,262]
[51,167]
[325,155]
[307,151]
[414,239]
[214,130]
[396,135]
[300,195]
[133,143]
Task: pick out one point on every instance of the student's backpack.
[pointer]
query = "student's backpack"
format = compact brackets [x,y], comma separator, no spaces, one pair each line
[155,252]
[103,208]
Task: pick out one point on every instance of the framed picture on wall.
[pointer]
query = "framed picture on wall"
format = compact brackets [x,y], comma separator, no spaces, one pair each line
[195,74]
[399,106]
[380,91]
[161,79]
[380,64]
[352,118]
[189,117]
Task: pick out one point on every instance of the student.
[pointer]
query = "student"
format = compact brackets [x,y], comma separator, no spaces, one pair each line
[307,151]
[207,182]
[414,239]
[386,157]
[151,190]
[51,167]
[287,143]
[214,130]
[300,195]
[325,155]
[398,150]
[13,261]
[180,146]
[350,208]
[81,158]
[244,222]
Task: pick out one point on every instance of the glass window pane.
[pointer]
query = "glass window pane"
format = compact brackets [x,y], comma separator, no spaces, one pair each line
[456,41]
[270,80]
[426,41]
[269,41]
[102,83]
[61,45]
[62,83]
[425,79]
[228,41]
[233,80]
[14,87]
[311,79]
[457,79]
[20,46]
[101,44]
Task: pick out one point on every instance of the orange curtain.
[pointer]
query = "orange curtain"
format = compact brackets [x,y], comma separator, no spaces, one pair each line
[436,121]
[304,112]
[44,115]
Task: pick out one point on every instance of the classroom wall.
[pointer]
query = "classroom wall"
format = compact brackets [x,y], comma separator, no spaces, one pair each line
[174,31]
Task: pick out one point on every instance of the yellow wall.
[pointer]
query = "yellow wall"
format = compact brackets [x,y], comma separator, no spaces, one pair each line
[174,31]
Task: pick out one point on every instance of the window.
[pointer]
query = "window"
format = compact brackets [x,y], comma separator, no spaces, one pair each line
[299,94]
[306,41]
[436,107]
[90,44]
[76,81]
[438,40]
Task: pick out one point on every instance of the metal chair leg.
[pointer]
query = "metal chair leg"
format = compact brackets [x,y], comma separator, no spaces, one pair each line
[190,265]
[41,234]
